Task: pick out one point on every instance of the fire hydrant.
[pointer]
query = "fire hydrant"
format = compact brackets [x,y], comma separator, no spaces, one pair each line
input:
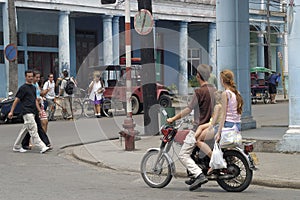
[129,134]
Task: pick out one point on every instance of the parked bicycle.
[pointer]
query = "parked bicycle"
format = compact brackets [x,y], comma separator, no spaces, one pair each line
[158,167]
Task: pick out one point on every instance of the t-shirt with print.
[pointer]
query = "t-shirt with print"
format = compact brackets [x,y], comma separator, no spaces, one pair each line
[203,104]
[27,95]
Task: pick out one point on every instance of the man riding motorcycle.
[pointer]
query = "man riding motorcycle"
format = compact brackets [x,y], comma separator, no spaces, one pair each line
[202,103]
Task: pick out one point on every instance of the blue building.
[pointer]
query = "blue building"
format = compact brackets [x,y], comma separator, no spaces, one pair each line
[73,35]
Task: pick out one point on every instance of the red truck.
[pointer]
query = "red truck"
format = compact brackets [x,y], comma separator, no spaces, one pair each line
[115,82]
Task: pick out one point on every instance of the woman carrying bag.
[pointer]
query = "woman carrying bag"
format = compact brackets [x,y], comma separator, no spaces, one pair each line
[96,90]
[232,103]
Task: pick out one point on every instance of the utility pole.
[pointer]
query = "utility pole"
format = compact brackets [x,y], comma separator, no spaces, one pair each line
[148,76]
[269,35]
[13,65]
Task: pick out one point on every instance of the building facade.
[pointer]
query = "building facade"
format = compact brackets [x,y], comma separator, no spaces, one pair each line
[70,34]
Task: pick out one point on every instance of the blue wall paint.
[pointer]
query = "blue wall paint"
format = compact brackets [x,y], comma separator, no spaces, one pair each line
[37,22]
[3,80]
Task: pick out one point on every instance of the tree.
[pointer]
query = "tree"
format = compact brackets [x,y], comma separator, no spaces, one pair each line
[13,65]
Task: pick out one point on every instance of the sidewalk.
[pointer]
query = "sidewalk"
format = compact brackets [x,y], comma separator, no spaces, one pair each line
[275,169]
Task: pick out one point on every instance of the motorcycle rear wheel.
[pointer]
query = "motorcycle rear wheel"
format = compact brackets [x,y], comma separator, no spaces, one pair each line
[238,166]
[157,176]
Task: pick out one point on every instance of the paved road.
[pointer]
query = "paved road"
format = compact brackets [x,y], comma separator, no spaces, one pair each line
[51,176]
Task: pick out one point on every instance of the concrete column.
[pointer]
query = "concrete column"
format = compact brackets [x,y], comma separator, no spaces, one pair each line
[212,42]
[73,69]
[116,41]
[260,50]
[291,139]
[107,40]
[64,41]
[279,48]
[5,72]
[233,49]
[183,57]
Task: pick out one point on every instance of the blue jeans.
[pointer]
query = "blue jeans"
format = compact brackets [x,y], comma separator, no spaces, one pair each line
[231,124]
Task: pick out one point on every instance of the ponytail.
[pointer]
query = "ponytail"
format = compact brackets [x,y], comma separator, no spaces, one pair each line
[239,99]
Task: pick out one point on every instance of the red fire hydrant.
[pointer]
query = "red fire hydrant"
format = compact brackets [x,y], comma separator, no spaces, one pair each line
[129,134]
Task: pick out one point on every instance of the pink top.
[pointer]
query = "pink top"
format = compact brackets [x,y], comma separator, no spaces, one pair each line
[231,110]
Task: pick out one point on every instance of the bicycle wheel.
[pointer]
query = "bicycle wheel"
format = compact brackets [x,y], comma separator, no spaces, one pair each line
[88,108]
[77,109]
[157,176]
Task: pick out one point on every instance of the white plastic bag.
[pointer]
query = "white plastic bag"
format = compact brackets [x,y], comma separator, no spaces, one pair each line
[217,161]
[230,137]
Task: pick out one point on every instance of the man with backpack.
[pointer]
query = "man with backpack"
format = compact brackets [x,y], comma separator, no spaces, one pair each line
[67,89]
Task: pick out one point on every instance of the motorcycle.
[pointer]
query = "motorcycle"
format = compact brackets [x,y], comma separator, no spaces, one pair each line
[158,167]
[5,106]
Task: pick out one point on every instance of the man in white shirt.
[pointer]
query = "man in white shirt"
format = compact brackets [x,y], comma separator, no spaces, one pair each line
[49,89]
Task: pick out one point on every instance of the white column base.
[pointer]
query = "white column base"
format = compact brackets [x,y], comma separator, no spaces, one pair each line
[290,141]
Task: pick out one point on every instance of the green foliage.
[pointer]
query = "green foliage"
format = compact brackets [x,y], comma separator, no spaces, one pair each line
[173,87]
[193,82]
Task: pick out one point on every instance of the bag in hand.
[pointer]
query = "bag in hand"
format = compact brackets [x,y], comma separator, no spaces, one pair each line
[230,137]
[217,161]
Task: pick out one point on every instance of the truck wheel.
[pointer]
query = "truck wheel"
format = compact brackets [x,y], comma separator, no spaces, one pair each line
[165,101]
[136,106]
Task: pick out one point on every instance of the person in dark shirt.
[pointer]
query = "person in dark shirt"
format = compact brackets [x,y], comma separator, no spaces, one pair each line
[26,94]
[41,131]
[273,83]
[202,103]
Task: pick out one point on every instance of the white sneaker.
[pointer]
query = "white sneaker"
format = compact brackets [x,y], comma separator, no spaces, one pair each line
[21,150]
[45,149]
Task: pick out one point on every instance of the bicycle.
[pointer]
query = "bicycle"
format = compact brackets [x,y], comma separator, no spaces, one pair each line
[88,106]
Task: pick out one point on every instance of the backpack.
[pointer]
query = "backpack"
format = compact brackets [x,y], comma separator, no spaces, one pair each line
[70,86]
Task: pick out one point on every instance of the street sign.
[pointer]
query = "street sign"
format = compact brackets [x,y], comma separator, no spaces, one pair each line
[11,52]
[143,22]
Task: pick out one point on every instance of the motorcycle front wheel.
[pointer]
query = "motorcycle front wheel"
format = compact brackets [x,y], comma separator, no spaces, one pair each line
[237,166]
[159,175]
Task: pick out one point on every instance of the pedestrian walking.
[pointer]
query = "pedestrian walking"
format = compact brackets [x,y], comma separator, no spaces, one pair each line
[40,119]
[67,88]
[26,94]
[202,103]
[273,83]
[49,90]
[96,90]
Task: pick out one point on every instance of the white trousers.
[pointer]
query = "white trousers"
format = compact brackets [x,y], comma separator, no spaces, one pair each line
[185,154]
[31,127]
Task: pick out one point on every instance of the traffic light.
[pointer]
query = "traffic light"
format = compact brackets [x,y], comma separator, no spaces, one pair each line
[108,2]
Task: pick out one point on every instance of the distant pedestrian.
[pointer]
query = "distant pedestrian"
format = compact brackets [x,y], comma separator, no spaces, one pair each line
[67,103]
[273,83]
[26,94]
[96,89]
[212,78]
[49,90]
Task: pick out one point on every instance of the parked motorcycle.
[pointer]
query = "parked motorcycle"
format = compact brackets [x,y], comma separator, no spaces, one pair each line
[158,167]
[5,106]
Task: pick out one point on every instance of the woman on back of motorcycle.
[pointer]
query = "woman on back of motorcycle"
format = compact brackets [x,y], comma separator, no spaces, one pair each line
[232,103]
